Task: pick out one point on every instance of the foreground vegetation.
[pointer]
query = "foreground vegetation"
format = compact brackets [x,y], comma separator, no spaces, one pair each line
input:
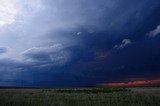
[89,90]
[79,97]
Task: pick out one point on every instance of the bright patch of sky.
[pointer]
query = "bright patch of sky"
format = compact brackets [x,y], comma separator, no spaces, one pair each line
[8,11]
[15,16]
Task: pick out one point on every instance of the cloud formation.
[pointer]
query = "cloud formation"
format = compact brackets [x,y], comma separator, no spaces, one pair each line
[124,43]
[56,55]
[154,32]
[59,41]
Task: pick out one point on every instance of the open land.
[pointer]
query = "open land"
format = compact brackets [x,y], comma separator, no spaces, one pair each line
[116,96]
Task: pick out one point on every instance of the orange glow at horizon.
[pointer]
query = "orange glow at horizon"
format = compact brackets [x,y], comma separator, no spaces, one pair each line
[132,83]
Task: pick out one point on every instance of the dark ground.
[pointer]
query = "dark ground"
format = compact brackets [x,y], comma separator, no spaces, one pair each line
[136,96]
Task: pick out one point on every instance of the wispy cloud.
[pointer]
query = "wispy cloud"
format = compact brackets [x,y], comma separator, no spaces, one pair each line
[123,44]
[154,32]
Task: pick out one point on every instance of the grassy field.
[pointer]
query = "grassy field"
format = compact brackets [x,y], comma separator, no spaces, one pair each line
[142,96]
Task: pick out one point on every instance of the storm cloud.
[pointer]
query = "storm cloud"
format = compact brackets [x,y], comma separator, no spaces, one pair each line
[78,42]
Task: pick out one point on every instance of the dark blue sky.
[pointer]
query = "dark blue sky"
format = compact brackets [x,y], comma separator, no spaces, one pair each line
[78,43]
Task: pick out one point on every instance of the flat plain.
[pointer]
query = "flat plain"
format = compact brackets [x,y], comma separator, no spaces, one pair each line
[135,96]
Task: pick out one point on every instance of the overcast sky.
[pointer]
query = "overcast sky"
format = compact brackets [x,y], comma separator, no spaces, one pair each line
[69,43]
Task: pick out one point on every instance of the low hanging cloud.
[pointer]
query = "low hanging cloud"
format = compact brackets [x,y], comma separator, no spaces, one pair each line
[55,55]
[124,43]
[154,32]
